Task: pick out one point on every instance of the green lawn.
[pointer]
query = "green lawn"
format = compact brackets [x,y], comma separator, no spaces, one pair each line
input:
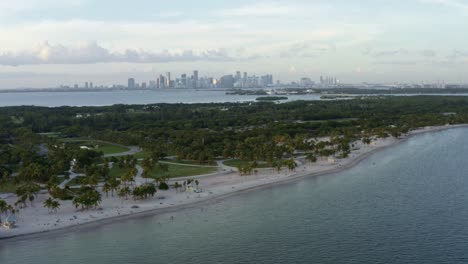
[237,163]
[116,172]
[108,149]
[176,171]
[142,154]
[188,162]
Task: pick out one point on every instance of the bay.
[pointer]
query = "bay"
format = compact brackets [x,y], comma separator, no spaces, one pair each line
[406,204]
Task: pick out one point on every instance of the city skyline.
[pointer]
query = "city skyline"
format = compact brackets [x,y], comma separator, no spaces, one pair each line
[47,43]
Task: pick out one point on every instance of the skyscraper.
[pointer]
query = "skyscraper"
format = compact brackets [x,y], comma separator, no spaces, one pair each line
[131,83]
[168,80]
[195,79]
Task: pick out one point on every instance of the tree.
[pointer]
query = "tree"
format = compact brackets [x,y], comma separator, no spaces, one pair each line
[27,191]
[106,188]
[124,192]
[311,157]
[114,185]
[3,208]
[88,198]
[143,191]
[291,164]
[148,165]
[163,186]
[52,205]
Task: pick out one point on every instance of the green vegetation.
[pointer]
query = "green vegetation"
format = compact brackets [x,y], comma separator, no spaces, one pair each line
[250,135]
[111,149]
[8,187]
[99,146]
[176,171]
[142,154]
[272,98]
[242,163]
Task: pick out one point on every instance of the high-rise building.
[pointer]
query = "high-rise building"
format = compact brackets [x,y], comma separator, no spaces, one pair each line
[168,80]
[86,85]
[238,76]
[131,83]
[227,81]
[195,79]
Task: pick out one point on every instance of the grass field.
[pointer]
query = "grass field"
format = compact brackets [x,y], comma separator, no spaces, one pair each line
[116,172]
[108,149]
[237,163]
[142,154]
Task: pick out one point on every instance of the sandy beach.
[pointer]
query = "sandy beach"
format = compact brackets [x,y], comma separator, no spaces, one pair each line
[226,182]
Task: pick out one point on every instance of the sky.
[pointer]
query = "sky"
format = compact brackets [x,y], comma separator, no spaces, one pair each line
[45,43]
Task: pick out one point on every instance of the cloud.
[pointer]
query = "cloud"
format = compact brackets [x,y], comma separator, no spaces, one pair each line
[260,9]
[457,54]
[429,53]
[386,53]
[401,52]
[9,8]
[303,50]
[457,4]
[92,52]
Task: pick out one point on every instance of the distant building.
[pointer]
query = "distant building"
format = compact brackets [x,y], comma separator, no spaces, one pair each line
[227,81]
[195,79]
[168,80]
[131,83]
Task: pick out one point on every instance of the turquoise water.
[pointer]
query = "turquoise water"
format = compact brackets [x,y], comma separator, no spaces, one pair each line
[406,204]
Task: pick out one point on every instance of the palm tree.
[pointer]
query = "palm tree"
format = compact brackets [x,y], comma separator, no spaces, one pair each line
[124,192]
[148,166]
[88,198]
[27,191]
[114,185]
[3,208]
[107,188]
[52,205]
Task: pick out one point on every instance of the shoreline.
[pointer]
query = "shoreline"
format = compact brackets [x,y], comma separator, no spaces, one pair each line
[223,185]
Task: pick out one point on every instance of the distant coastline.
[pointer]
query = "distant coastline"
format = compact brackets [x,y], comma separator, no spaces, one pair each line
[353,90]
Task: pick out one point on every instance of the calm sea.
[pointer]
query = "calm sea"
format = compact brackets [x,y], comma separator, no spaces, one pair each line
[101,98]
[406,204]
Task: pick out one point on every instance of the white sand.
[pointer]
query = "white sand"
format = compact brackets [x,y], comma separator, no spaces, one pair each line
[37,219]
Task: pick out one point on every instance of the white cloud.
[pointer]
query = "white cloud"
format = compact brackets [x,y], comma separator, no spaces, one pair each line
[457,4]
[11,7]
[91,52]
[261,9]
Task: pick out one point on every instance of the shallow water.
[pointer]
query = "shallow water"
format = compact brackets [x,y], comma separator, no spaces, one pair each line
[406,204]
